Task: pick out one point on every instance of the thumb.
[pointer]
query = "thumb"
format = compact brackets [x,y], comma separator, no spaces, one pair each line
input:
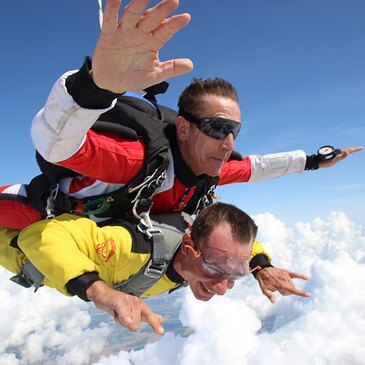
[153,319]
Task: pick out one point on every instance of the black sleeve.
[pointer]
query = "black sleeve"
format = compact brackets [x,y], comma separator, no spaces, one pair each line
[79,285]
[84,91]
[260,261]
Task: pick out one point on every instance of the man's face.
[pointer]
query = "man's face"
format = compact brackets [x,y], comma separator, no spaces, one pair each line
[221,249]
[205,154]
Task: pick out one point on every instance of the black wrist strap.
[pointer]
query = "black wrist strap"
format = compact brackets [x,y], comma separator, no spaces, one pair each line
[258,263]
[85,92]
[79,285]
[312,162]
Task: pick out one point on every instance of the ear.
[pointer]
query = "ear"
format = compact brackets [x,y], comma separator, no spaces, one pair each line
[187,246]
[182,128]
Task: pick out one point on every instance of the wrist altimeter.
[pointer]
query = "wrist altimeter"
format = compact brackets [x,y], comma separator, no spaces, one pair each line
[327,153]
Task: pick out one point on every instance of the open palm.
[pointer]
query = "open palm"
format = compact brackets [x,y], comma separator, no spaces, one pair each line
[126,56]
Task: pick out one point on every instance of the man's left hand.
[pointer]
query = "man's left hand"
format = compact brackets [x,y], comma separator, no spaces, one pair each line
[273,279]
[345,152]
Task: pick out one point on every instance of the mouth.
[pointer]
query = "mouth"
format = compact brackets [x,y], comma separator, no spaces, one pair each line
[206,289]
[219,160]
[222,158]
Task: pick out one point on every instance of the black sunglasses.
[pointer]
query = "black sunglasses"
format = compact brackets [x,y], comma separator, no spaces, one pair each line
[218,128]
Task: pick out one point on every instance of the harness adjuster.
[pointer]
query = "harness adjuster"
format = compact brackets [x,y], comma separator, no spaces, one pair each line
[144,204]
[155,270]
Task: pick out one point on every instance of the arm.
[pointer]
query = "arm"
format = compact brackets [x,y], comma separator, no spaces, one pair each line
[125,58]
[58,248]
[256,168]
[68,249]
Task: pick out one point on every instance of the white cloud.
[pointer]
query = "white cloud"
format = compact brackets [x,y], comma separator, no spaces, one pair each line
[240,328]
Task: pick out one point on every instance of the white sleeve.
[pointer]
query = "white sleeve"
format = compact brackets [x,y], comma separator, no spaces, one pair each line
[59,129]
[276,165]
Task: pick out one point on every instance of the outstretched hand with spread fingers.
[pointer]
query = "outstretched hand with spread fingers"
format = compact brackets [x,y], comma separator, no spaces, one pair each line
[273,279]
[126,56]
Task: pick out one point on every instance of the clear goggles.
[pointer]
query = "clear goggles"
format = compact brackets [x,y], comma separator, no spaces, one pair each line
[216,264]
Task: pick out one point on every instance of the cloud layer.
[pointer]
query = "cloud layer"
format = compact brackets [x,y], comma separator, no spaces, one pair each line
[240,328]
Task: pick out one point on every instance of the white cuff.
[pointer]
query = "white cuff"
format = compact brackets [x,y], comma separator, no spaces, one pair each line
[276,165]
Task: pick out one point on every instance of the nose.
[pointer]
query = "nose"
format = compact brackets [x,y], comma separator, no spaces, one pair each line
[221,286]
[228,143]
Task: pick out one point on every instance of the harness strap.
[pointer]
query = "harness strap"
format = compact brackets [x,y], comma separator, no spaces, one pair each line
[165,238]
[29,276]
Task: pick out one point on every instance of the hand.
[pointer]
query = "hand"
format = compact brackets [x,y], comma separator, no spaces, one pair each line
[126,54]
[126,309]
[273,279]
[345,152]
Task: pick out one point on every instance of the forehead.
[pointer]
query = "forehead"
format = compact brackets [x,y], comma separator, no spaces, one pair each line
[219,106]
[221,239]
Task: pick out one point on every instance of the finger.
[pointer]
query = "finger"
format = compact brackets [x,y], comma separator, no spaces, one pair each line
[295,291]
[110,18]
[296,275]
[270,295]
[169,27]
[153,17]
[153,319]
[122,317]
[175,68]
[132,13]
[136,310]
[353,149]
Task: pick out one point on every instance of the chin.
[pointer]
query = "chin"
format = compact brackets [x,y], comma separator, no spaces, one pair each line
[214,171]
[202,298]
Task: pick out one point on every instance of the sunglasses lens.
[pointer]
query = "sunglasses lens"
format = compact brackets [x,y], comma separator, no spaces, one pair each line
[220,128]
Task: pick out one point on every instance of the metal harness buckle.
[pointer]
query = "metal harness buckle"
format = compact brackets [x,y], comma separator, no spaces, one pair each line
[50,206]
[155,271]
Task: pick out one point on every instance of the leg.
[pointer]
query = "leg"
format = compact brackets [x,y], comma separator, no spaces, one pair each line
[15,211]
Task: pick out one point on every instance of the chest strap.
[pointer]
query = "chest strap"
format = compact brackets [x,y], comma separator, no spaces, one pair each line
[165,236]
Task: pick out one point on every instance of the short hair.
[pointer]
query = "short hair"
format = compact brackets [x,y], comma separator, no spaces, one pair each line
[192,99]
[243,227]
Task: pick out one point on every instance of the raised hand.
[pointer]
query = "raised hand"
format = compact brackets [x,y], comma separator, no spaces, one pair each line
[126,56]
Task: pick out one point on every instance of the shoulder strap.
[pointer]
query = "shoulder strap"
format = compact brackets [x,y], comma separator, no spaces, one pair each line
[165,238]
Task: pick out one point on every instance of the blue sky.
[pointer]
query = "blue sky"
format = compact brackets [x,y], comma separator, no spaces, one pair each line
[298,67]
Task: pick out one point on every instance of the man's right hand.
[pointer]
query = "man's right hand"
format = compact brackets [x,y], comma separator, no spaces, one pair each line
[126,54]
[127,310]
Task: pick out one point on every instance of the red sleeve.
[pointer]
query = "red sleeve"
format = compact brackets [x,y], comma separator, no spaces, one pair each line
[235,171]
[107,157]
